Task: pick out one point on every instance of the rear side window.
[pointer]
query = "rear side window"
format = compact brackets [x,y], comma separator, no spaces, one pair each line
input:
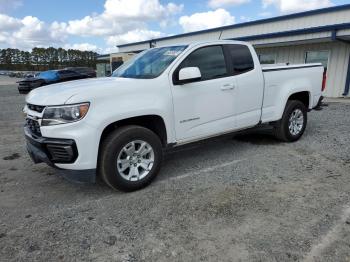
[241,57]
[210,61]
[66,73]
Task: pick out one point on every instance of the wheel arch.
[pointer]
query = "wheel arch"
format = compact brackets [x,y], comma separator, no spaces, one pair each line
[302,96]
[155,123]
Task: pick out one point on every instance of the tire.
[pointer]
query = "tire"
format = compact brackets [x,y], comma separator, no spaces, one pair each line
[294,110]
[127,168]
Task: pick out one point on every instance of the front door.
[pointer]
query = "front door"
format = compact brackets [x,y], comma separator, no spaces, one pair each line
[204,107]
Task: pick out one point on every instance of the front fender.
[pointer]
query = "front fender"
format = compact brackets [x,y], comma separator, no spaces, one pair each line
[107,110]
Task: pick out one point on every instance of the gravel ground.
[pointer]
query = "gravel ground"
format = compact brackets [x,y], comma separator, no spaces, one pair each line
[248,198]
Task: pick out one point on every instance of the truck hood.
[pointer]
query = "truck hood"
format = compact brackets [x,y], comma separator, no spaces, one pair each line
[30,79]
[62,93]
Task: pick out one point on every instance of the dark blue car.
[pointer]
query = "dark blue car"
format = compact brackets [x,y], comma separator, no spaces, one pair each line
[47,78]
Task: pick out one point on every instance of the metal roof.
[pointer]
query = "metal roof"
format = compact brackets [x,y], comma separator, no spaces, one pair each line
[296,32]
[256,22]
[103,57]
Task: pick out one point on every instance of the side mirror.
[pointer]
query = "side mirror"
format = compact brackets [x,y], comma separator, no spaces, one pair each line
[189,74]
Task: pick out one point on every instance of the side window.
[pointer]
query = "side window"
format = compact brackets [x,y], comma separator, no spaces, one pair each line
[242,60]
[266,59]
[66,73]
[210,61]
[62,73]
[317,57]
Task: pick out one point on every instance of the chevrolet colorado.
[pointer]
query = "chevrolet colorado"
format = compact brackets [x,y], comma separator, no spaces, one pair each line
[117,127]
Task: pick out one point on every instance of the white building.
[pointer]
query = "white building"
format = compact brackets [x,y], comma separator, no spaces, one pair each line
[321,35]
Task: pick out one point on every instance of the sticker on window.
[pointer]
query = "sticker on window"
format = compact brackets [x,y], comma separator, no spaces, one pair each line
[172,53]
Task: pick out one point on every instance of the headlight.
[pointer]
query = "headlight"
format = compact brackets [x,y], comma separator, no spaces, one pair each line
[55,115]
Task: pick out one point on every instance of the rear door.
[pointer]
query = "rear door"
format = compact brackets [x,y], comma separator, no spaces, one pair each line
[249,80]
[204,107]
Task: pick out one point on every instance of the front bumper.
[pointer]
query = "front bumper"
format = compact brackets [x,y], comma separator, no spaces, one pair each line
[23,90]
[57,151]
[50,150]
[24,87]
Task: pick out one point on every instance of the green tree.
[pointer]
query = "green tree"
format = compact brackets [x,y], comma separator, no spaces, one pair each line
[45,58]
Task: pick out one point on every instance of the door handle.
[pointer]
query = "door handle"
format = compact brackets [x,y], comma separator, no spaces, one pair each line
[228,87]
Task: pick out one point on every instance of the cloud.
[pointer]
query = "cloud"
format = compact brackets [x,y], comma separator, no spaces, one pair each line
[139,9]
[211,19]
[32,29]
[58,30]
[133,36]
[121,21]
[6,5]
[8,23]
[28,32]
[293,6]
[120,16]
[221,3]
[99,26]
[110,50]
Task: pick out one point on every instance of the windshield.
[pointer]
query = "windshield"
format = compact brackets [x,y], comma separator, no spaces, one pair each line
[150,63]
[49,75]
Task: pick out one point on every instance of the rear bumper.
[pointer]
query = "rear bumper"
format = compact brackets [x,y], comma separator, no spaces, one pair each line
[56,151]
[319,103]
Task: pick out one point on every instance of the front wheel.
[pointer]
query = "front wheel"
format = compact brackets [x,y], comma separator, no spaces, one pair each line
[130,158]
[293,123]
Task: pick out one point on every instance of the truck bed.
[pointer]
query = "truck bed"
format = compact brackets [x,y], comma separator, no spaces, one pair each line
[283,80]
[279,67]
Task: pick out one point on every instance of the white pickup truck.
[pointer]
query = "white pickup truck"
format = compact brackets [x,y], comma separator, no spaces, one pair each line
[118,127]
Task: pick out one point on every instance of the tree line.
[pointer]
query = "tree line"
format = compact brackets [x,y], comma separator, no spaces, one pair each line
[40,59]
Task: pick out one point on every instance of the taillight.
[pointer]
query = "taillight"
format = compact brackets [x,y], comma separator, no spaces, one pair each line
[324,80]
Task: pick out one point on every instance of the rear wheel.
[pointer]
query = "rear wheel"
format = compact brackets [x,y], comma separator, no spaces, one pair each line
[130,158]
[293,123]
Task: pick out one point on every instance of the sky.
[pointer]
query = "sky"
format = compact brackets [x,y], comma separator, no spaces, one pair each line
[100,25]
